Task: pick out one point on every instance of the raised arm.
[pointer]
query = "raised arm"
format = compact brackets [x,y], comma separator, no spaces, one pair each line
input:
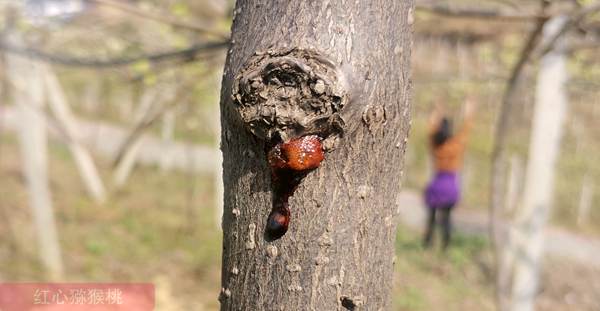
[469,113]
[434,120]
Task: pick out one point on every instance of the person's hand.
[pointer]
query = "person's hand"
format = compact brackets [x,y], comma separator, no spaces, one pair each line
[470,105]
[435,116]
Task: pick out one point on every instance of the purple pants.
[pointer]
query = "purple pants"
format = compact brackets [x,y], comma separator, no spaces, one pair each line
[443,191]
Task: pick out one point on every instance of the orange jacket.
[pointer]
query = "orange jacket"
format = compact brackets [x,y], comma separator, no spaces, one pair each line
[448,156]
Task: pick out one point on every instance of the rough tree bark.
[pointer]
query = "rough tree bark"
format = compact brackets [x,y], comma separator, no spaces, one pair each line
[339,70]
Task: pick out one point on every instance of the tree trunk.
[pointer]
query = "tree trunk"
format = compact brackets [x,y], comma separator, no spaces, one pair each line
[338,70]
[515,177]
[530,220]
[585,200]
[498,234]
[29,100]
[218,172]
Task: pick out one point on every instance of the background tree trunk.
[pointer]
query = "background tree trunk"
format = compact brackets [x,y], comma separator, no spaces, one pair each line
[338,252]
[515,178]
[530,220]
[27,77]
[499,234]
[585,200]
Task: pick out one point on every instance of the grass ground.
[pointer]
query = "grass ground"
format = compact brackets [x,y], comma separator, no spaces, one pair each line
[161,228]
[436,280]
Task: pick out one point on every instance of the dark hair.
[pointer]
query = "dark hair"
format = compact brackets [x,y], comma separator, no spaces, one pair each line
[443,133]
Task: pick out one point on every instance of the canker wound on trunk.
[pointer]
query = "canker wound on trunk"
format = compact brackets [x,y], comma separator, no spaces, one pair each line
[291,99]
[290,162]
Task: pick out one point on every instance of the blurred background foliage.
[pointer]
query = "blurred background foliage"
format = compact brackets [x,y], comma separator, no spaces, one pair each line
[161,225]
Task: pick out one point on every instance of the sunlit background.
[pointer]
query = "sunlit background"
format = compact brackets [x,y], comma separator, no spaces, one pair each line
[110,169]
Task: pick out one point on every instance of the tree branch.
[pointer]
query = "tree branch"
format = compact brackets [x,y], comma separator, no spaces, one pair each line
[187,54]
[573,19]
[153,116]
[512,83]
[166,19]
[477,13]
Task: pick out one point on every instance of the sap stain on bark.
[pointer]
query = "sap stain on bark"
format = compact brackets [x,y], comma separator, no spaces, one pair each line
[290,99]
[290,162]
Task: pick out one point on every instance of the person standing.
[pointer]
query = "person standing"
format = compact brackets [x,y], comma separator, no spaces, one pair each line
[443,192]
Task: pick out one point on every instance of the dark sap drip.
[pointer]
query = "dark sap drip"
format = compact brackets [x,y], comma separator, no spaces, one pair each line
[290,162]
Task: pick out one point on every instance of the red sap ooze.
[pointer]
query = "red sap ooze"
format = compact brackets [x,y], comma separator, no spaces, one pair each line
[289,161]
[298,154]
[304,153]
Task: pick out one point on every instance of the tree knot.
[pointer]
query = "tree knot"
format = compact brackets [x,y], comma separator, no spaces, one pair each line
[290,93]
